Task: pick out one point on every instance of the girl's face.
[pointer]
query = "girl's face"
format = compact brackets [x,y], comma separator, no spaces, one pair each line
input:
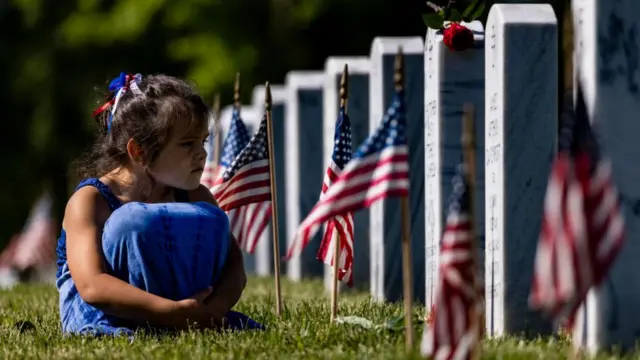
[181,162]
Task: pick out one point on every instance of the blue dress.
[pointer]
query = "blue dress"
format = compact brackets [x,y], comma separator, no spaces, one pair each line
[171,250]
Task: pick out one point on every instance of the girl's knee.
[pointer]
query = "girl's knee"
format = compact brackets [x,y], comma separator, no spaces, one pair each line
[123,224]
[141,241]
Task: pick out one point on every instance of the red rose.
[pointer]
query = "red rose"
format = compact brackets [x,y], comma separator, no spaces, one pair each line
[458,37]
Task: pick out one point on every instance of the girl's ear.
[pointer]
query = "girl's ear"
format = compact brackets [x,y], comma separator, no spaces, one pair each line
[135,153]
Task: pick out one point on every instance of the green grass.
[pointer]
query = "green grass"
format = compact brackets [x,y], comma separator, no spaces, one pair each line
[303,332]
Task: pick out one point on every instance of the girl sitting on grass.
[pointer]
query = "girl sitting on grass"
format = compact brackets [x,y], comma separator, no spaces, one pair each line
[143,244]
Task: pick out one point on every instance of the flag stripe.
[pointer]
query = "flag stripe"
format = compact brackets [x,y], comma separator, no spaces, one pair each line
[354,192]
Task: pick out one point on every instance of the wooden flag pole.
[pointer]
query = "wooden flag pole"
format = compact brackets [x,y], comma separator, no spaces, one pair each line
[268,103]
[236,93]
[217,129]
[344,94]
[407,278]
[469,156]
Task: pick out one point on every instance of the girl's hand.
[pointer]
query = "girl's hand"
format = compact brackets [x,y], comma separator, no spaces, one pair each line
[192,312]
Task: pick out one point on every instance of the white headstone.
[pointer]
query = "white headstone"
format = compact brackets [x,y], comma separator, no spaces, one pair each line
[606,55]
[251,117]
[358,111]
[264,249]
[385,220]
[305,168]
[452,78]
[521,114]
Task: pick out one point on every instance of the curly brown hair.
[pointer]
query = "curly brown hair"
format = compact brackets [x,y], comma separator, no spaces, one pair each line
[148,117]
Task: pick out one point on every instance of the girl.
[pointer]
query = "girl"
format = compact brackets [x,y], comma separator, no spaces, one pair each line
[143,243]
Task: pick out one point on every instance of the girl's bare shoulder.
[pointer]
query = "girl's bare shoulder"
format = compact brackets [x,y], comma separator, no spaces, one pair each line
[86,205]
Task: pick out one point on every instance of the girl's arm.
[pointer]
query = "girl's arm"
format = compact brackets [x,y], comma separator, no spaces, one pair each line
[231,283]
[84,217]
[233,279]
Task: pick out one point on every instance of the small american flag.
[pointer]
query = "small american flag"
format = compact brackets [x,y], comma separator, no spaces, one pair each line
[454,328]
[378,169]
[339,229]
[582,228]
[236,140]
[35,246]
[243,188]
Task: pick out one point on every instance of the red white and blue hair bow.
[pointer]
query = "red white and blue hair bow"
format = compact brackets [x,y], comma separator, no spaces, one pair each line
[117,88]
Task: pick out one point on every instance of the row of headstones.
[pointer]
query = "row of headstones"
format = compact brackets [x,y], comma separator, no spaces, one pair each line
[510,76]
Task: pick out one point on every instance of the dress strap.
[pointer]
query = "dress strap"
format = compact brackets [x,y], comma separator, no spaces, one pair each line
[104,190]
